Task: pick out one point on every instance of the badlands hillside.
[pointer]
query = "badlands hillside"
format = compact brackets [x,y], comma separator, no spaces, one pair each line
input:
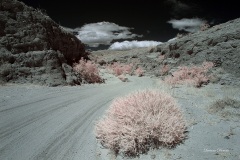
[219,44]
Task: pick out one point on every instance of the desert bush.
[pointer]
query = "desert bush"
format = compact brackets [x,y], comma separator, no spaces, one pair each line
[139,121]
[139,72]
[204,27]
[123,78]
[88,70]
[164,70]
[118,69]
[162,57]
[194,75]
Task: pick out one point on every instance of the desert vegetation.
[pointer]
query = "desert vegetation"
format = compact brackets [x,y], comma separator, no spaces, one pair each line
[164,70]
[118,68]
[140,121]
[193,75]
[139,72]
[88,70]
[121,69]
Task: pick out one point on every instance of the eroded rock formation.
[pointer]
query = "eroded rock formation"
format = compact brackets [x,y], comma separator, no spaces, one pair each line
[35,49]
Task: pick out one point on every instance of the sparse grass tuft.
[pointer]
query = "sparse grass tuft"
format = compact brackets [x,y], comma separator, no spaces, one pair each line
[227,108]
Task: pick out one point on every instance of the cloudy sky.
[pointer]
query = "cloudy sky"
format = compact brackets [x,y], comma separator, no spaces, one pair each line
[135,23]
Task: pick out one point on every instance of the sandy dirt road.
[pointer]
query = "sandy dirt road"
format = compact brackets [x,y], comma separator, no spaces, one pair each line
[45,123]
[54,123]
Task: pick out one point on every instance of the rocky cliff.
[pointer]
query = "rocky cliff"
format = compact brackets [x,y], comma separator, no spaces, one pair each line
[35,49]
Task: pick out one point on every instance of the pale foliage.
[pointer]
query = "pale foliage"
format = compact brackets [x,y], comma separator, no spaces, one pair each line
[123,78]
[194,75]
[139,121]
[161,57]
[164,70]
[118,69]
[139,72]
[88,70]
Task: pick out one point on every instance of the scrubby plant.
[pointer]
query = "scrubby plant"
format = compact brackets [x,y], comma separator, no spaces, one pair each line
[204,27]
[118,68]
[164,70]
[88,70]
[194,75]
[123,78]
[139,72]
[139,121]
[162,57]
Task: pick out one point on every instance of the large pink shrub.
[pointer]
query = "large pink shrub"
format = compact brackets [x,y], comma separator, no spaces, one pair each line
[88,71]
[195,75]
[139,121]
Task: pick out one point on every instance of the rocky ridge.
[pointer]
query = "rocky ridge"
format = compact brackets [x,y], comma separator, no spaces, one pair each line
[35,49]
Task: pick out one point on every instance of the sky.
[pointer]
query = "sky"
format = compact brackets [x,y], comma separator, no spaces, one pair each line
[126,24]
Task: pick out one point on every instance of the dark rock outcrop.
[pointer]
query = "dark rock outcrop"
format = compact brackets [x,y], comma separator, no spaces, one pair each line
[35,49]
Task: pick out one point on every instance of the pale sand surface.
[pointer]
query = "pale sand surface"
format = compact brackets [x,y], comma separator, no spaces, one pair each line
[41,123]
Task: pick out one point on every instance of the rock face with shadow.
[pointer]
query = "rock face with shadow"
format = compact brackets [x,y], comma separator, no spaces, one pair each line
[35,49]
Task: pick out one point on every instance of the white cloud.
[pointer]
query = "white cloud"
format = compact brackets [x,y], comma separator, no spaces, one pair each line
[94,34]
[126,45]
[189,25]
